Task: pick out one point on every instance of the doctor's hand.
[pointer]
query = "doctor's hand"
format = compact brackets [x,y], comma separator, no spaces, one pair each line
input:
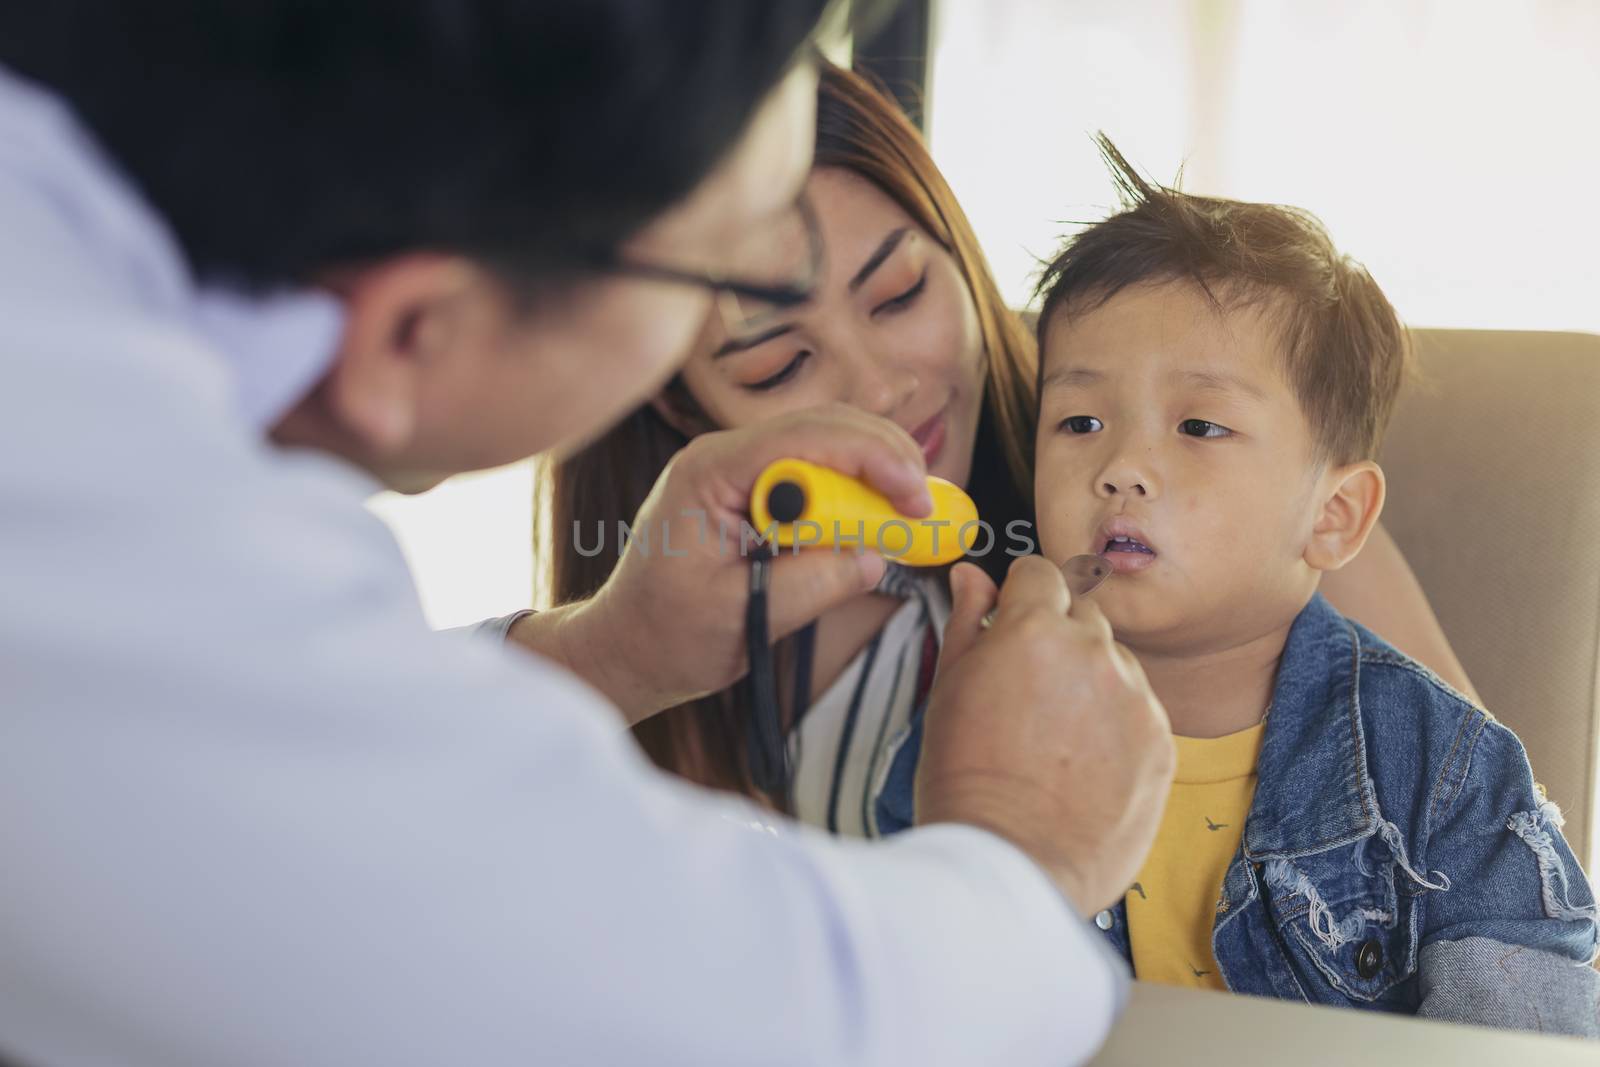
[1045,731]
[668,628]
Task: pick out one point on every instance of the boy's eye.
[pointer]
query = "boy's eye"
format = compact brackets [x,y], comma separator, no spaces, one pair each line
[1202,428]
[789,370]
[1082,424]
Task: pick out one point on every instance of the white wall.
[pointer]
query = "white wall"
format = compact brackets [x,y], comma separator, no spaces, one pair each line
[469,543]
[1451,145]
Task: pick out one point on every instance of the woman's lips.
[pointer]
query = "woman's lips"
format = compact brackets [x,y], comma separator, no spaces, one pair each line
[930,435]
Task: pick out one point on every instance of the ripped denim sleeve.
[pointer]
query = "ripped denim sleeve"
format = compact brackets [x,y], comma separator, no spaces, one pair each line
[1534,829]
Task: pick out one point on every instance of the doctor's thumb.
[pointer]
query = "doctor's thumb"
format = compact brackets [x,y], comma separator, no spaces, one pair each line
[972,593]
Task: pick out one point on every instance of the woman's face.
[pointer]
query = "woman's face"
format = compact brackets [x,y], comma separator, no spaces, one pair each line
[892,330]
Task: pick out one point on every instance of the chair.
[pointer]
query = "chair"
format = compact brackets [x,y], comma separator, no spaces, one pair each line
[1493,461]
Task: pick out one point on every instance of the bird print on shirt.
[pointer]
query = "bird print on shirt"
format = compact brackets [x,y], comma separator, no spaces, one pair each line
[1215,826]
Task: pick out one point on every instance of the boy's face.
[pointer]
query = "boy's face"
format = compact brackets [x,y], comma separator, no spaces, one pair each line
[1171,444]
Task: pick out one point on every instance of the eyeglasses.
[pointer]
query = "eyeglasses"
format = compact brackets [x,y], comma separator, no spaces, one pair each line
[775,267]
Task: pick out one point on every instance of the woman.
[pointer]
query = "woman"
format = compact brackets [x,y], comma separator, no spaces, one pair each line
[907,324]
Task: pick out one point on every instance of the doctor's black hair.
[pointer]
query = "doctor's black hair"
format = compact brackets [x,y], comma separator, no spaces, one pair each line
[279,138]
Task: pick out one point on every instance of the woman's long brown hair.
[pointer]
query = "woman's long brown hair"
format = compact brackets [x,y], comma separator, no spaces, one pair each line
[860,129]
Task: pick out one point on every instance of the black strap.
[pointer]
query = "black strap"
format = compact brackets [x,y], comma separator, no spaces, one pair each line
[769,757]
[805,655]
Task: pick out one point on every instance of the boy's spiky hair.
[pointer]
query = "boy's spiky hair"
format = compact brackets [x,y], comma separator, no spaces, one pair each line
[1345,351]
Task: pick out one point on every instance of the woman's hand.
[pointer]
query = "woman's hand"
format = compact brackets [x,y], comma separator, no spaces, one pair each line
[666,628]
[1044,730]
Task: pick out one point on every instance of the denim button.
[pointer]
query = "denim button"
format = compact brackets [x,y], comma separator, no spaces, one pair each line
[1105,920]
[1369,959]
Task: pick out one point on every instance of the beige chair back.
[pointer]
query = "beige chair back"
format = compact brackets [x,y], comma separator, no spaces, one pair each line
[1493,460]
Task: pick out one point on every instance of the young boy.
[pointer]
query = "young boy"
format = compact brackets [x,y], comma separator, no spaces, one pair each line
[1344,828]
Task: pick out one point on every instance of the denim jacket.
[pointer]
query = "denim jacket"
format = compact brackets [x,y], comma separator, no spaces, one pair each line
[1397,856]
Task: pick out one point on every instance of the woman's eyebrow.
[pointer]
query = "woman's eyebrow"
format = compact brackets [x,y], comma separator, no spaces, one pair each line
[874,261]
[744,344]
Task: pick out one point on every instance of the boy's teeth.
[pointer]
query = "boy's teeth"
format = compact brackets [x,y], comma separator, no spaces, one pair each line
[1127,544]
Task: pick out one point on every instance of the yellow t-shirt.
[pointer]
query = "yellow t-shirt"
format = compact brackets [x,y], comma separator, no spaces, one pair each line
[1172,907]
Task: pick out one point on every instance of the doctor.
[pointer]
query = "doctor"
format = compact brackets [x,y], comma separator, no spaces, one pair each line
[251,811]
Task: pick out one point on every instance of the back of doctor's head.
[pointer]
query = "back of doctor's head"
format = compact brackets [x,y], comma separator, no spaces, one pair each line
[282,137]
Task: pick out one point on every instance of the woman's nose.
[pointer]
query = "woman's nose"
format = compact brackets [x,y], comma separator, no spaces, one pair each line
[881,388]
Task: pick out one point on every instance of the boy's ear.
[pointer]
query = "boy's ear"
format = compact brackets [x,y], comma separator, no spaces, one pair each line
[1352,500]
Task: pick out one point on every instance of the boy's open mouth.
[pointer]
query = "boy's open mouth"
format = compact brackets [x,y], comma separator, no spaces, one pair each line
[1126,544]
[1123,544]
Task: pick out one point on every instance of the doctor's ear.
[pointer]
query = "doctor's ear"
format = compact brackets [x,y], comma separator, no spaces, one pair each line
[402,319]
[1352,500]
[679,410]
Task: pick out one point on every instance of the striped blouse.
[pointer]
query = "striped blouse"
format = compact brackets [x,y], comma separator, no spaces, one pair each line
[842,747]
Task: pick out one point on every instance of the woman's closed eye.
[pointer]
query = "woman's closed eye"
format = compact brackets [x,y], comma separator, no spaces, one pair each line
[789,370]
[1203,428]
[905,299]
[1081,424]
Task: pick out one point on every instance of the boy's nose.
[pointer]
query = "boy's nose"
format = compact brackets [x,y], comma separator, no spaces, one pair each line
[1137,488]
[1126,476]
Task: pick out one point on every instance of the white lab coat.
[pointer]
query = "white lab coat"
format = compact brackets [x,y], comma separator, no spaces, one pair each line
[253,812]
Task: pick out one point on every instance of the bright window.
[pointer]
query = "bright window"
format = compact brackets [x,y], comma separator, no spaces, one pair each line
[1451,145]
